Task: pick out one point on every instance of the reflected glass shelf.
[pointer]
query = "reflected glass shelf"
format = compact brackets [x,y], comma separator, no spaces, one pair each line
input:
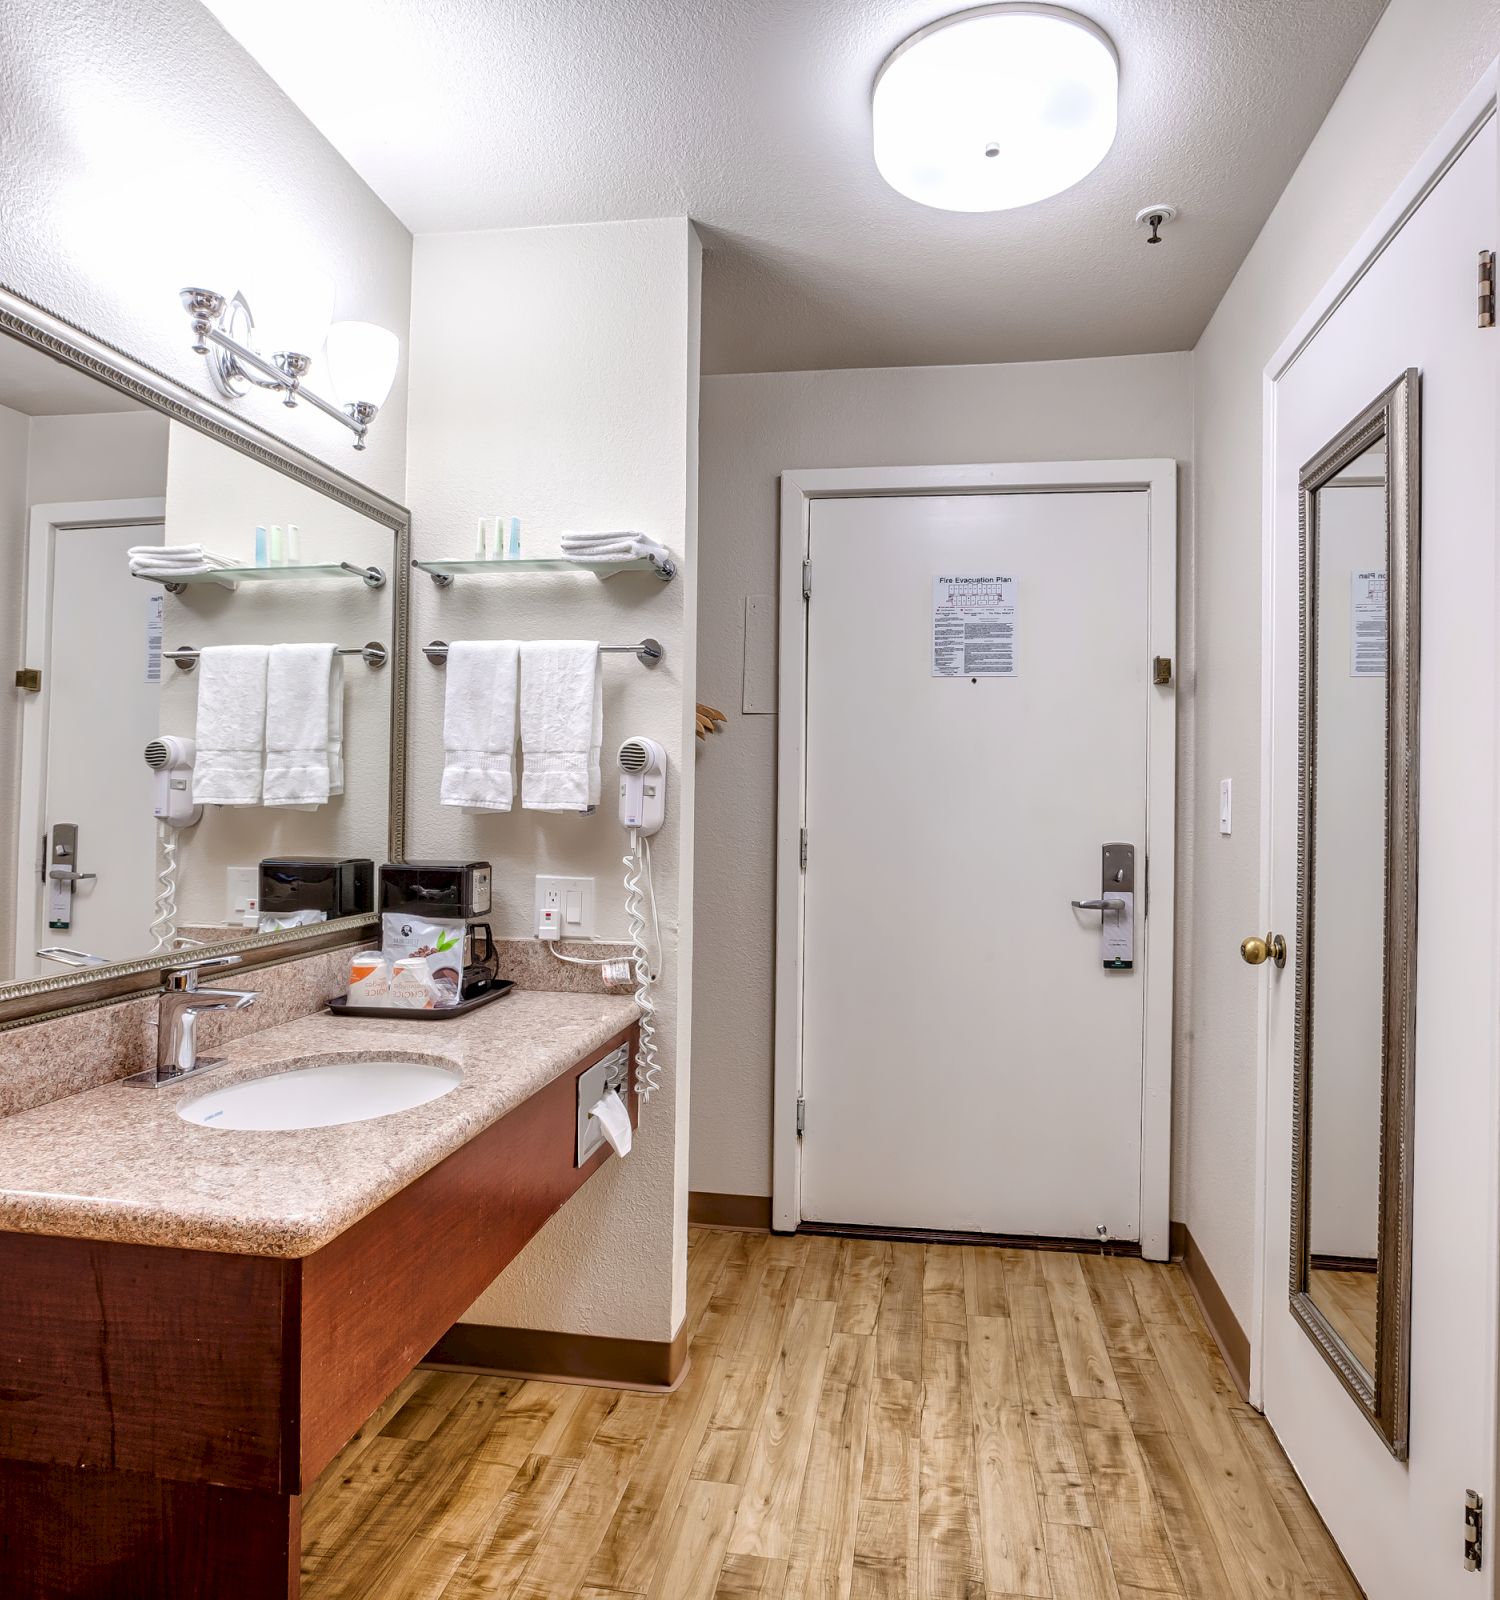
[443,573]
[228,577]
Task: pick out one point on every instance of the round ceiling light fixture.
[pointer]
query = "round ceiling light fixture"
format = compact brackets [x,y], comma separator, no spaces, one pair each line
[996,107]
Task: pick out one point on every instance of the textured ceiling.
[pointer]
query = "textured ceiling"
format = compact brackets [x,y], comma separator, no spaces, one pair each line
[752,117]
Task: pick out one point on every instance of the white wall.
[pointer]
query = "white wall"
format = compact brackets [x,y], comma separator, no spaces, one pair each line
[571,402]
[1421,60]
[754,427]
[143,149]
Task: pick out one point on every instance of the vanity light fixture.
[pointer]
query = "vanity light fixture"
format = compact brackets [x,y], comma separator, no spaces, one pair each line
[996,107]
[361,357]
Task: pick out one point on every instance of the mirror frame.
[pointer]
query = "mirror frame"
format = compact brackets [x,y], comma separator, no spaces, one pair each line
[38,999]
[1384,1395]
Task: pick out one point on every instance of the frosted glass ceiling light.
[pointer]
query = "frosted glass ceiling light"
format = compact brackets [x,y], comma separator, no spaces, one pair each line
[996,107]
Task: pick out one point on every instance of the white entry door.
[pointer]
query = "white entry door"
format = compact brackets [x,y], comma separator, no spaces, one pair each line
[1399,1523]
[91,621]
[979,704]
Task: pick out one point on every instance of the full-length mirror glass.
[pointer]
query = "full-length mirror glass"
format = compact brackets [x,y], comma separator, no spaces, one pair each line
[203,681]
[1356,902]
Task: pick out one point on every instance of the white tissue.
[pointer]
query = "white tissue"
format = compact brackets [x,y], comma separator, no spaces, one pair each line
[614,1119]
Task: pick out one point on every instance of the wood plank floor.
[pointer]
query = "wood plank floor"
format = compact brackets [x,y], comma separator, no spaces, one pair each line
[864,1420]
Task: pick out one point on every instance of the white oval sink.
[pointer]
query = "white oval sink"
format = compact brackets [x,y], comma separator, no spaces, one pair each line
[321,1096]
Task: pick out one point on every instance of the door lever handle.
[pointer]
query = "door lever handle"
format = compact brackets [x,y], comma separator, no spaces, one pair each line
[1108,903]
[67,875]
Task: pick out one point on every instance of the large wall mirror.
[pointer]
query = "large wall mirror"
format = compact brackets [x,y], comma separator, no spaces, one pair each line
[148,678]
[1356,903]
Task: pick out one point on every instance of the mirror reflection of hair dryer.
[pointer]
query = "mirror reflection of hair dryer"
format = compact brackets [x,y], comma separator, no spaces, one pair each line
[171,759]
[643,809]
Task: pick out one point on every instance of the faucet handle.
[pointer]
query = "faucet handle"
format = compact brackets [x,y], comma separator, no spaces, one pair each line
[185,974]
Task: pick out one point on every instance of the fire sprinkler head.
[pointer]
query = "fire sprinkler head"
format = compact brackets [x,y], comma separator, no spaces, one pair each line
[1156,218]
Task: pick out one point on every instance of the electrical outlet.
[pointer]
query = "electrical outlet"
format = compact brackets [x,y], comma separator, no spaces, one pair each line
[564,908]
[242,897]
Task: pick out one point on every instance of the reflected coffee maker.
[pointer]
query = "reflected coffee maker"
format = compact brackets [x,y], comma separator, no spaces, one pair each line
[448,891]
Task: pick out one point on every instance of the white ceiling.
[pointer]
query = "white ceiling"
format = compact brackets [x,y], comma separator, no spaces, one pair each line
[37,385]
[752,117]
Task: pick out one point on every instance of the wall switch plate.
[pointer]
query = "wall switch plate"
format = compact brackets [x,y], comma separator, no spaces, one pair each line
[242,897]
[564,908]
[1225,798]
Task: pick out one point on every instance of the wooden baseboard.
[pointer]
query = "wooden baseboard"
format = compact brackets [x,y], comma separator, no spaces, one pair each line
[751,1212]
[563,1357]
[1231,1338]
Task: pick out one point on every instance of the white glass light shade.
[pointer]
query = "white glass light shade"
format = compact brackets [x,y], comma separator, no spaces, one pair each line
[292,308]
[361,360]
[996,107]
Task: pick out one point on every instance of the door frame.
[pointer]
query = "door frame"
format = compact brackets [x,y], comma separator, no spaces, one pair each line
[44,524]
[1458,132]
[1157,479]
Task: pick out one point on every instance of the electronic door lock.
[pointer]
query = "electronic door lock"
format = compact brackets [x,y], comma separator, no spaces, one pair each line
[1115,904]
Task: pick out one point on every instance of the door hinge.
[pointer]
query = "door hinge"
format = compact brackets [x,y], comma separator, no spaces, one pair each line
[1486,288]
[807,580]
[802,849]
[29,679]
[1161,669]
[801,1115]
[1473,1529]
[1146,889]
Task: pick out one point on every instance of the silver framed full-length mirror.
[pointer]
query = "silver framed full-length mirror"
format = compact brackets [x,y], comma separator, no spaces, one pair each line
[1355,957]
[107,469]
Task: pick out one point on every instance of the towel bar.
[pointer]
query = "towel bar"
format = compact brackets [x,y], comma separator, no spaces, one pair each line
[648,652]
[185,657]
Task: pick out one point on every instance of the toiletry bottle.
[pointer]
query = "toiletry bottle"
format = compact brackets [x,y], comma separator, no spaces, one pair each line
[293,545]
[497,540]
[278,546]
[481,549]
[262,547]
[513,549]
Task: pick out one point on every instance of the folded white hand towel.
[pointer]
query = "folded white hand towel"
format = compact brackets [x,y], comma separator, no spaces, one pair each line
[231,725]
[479,725]
[623,547]
[175,555]
[304,725]
[562,724]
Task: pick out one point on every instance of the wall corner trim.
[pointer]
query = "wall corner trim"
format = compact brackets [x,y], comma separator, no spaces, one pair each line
[1231,1338]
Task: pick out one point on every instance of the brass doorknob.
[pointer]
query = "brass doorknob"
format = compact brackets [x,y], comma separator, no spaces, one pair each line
[1271,948]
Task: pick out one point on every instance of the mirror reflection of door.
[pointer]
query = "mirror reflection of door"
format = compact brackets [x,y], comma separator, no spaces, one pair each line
[1349,902]
[99,618]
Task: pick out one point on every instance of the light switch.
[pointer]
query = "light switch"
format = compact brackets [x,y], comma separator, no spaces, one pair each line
[573,910]
[1225,797]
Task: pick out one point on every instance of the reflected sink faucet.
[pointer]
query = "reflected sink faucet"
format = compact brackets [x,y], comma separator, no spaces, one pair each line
[182,1003]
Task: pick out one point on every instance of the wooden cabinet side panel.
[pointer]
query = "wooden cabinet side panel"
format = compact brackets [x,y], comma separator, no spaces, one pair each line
[138,1358]
[377,1299]
[67,1535]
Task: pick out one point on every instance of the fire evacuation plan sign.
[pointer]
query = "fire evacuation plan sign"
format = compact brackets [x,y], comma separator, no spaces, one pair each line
[973,626]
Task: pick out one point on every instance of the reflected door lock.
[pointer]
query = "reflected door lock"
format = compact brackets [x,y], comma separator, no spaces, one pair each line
[1115,904]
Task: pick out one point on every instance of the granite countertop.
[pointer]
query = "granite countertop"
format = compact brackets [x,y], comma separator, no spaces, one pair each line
[118,1163]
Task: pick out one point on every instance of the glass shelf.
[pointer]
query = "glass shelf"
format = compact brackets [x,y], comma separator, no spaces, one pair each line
[228,577]
[443,573]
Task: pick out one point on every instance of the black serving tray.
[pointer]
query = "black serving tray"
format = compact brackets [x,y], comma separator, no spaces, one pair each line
[341,1007]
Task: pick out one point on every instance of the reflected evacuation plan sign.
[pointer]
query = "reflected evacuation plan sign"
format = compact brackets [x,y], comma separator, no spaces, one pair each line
[973,626]
[1368,605]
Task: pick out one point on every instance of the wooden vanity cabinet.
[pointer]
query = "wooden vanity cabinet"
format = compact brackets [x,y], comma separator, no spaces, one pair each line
[162,1410]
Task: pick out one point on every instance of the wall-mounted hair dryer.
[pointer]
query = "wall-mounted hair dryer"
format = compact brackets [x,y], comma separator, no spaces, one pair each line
[643,786]
[171,759]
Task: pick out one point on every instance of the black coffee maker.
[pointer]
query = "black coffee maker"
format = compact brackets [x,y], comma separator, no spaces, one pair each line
[448,891]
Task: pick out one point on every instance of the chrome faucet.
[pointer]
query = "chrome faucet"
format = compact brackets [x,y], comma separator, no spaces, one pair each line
[182,1003]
